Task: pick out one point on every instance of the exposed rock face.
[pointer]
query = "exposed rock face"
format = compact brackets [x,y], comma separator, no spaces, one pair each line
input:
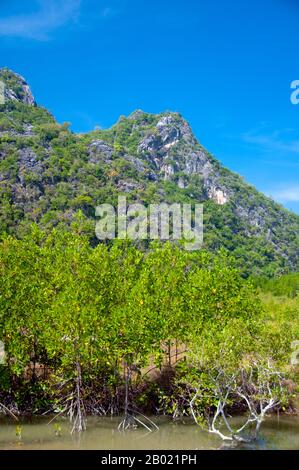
[181,183]
[16,88]
[28,163]
[27,158]
[99,151]
[198,162]
[127,187]
[137,164]
[169,131]
[172,148]
[25,96]
[168,171]
[218,196]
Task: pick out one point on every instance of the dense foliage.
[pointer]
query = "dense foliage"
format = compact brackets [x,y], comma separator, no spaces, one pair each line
[79,324]
[282,286]
[63,302]
[106,328]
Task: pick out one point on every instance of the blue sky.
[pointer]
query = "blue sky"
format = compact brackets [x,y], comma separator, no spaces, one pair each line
[226,65]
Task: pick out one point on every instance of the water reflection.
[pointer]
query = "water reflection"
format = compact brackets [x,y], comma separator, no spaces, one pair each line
[102,433]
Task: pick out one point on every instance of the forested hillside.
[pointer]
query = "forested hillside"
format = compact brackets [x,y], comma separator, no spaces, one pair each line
[53,177]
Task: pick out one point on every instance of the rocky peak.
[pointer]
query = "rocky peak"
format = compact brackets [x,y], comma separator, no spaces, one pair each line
[172,150]
[136,114]
[15,87]
[174,125]
[168,131]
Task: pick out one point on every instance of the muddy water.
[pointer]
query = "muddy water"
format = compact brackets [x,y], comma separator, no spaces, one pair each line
[102,433]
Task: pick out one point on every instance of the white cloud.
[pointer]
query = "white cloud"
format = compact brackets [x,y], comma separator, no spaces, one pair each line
[51,14]
[277,141]
[287,194]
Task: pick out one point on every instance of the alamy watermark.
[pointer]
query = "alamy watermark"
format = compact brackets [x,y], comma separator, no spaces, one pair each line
[2,90]
[295,354]
[2,353]
[295,94]
[155,222]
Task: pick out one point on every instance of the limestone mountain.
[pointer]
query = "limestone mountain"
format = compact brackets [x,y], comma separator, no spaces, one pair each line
[51,176]
[16,88]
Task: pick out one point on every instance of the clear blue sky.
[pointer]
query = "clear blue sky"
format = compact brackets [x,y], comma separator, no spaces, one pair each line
[226,65]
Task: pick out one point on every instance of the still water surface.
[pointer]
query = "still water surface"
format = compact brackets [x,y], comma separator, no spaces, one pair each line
[102,433]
